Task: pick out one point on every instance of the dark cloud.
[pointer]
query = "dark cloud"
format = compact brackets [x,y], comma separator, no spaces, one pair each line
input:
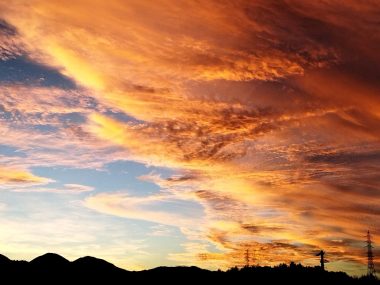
[180,178]
[10,47]
[219,202]
[257,229]
[345,158]
[7,29]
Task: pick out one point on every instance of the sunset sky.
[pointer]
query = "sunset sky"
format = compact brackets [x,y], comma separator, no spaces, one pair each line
[175,132]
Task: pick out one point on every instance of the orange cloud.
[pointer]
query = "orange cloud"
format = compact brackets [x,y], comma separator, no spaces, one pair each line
[18,177]
[194,55]
[267,111]
[224,51]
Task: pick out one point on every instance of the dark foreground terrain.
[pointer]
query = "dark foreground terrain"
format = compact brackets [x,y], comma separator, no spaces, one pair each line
[55,269]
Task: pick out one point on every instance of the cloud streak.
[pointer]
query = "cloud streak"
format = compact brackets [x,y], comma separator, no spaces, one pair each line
[67,189]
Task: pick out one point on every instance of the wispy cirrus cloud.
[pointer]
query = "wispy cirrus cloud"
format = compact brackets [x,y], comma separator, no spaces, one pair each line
[145,208]
[45,126]
[66,189]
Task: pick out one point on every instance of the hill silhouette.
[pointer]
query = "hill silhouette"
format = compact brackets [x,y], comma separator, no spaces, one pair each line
[93,263]
[4,259]
[52,268]
[47,264]
[50,260]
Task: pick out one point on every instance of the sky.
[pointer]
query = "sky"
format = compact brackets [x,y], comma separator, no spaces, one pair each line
[171,133]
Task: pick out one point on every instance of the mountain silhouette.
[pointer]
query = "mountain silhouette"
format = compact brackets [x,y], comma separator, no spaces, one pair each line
[52,268]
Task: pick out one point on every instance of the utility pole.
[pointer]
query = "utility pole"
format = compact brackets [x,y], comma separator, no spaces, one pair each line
[371,266]
[322,254]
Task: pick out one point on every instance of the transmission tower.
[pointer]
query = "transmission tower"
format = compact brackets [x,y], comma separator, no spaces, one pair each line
[371,266]
[247,257]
